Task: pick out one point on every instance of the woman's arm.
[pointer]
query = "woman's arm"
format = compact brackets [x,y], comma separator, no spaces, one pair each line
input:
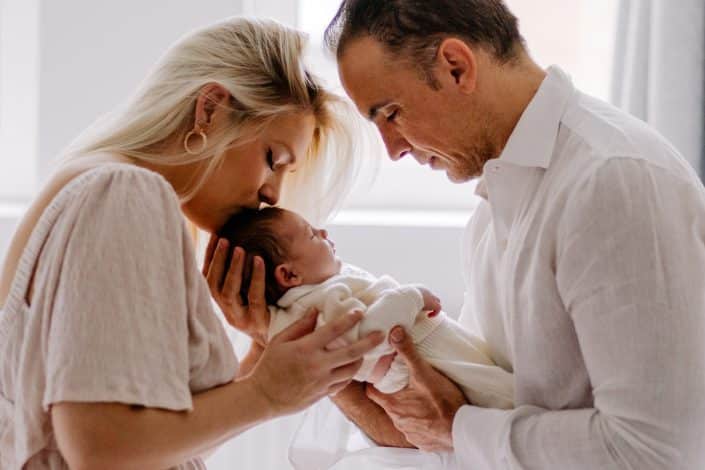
[294,371]
[110,435]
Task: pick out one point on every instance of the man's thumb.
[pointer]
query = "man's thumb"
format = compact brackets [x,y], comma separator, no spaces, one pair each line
[402,343]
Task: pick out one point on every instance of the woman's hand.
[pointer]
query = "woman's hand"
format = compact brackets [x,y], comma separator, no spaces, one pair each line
[253,318]
[296,369]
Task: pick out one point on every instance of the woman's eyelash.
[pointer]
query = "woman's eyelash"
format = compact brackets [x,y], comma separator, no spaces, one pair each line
[270,159]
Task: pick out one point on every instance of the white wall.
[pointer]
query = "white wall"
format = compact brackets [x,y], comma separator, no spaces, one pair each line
[94,54]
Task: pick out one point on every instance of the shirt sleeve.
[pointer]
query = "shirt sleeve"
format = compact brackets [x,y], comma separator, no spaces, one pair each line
[630,269]
[119,328]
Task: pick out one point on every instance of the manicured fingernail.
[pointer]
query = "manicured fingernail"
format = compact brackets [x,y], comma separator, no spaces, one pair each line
[432,313]
[397,335]
[222,244]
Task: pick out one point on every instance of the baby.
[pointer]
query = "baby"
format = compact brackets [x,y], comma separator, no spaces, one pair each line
[302,271]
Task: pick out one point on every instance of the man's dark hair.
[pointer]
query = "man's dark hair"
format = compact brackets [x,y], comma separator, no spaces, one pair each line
[255,232]
[413,29]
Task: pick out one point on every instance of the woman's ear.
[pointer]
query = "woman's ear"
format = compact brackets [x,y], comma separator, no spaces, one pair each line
[286,276]
[212,100]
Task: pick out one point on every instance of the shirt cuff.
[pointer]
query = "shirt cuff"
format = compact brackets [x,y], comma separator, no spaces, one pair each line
[479,437]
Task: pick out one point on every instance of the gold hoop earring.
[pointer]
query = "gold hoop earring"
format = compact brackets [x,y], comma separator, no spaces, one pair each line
[204,141]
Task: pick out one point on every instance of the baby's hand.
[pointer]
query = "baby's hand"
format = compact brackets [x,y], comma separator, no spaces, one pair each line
[431,303]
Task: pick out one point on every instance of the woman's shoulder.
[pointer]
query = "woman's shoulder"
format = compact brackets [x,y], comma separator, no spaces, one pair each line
[120,180]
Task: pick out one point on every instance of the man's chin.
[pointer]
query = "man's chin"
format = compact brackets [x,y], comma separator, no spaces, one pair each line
[456,178]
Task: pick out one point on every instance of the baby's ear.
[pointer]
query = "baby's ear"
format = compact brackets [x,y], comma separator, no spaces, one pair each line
[286,276]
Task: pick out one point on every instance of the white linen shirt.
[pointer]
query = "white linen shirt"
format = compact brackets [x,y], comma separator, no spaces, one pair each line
[585,274]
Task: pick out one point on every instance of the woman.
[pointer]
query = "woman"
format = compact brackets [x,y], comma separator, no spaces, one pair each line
[111,354]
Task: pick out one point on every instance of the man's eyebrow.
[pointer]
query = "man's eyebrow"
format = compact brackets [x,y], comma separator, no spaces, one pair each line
[374,109]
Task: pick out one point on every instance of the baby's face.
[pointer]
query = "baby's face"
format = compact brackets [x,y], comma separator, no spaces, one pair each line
[311,253]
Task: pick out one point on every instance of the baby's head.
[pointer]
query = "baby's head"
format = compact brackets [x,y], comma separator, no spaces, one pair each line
[294,253]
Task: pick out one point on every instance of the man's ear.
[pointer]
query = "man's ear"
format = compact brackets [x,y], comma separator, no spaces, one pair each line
[457,64]
[212,100]
[286,276]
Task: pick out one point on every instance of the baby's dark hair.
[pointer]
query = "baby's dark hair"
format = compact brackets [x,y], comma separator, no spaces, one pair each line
[255,232]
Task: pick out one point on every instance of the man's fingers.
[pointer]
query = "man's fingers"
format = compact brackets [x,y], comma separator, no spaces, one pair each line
[299,328]
[404,346]
[382,399]
[331,331]
[210,249]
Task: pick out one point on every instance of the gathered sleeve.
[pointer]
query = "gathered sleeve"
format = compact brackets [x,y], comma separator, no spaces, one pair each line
[121,329]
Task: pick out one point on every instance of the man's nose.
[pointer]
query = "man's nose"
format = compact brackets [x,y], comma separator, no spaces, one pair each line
[397,145]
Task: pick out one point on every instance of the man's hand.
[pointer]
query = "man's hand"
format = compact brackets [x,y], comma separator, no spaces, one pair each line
[425,409]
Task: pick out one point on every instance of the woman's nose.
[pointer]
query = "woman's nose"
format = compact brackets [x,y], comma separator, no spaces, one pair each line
[269,194]
[271,189]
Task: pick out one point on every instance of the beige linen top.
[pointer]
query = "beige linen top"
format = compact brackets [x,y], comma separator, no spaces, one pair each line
[120,312]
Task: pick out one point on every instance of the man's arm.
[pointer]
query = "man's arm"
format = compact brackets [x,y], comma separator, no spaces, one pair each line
[368,416]
[631,272]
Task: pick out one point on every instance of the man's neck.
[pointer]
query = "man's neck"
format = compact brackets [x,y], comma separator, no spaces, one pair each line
[515,87]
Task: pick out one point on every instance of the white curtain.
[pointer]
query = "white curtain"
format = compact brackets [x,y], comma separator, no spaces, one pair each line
[659,73]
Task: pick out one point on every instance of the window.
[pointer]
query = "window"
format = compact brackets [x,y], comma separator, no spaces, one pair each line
[577,35]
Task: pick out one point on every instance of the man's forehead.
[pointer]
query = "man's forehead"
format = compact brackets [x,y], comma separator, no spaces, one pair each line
[365,74]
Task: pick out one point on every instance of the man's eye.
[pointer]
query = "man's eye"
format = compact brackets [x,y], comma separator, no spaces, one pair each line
[393,116]
[270,159]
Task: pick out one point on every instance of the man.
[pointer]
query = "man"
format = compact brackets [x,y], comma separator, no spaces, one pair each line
[584,264]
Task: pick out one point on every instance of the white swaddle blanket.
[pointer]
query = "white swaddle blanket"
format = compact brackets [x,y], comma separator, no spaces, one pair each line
[326,439]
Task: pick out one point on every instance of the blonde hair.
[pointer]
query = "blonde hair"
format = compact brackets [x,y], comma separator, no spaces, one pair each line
[260,63]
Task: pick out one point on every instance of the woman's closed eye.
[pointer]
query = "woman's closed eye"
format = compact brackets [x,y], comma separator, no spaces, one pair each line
[270,159]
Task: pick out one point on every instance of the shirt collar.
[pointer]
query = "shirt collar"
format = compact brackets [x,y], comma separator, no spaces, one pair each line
[533,139]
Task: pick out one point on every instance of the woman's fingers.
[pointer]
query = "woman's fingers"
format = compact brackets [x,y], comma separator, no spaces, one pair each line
[210,249]
[255,294]
[356,350]
[299,328]
[345,373]
[217,267]
[323,336]
[230,293]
